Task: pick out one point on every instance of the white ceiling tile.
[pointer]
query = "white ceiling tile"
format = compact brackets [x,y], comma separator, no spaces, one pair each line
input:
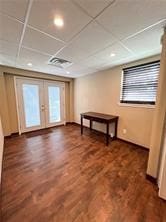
[92,45]
[44,69]
[146,41]
[74,18]
[7,60]
[8,48]
[114,63]
[41,42]
[39,62]
[72,53]
[124,18]
[117,49]
[14,8]
[51,70]
[11,30]
[147,54]
[29,56]
[78,70]
[93,38]
[93,7]
[93,62]
[141,56]
[90,40]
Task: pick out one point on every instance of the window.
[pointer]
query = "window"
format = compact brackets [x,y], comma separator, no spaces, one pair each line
[139,83]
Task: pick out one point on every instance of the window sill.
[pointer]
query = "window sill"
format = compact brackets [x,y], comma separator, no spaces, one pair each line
[137,105]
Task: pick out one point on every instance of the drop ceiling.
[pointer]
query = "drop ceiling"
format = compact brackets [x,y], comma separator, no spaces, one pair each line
[92,31]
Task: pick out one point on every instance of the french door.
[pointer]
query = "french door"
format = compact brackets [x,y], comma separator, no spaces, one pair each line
[54,103]
[40,104]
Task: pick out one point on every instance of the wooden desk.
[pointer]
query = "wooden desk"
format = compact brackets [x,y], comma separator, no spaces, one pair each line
[101,118]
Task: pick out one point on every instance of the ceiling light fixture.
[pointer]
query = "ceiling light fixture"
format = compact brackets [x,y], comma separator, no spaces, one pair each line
[112,54]
[68,72]
[58,21]
[29,64]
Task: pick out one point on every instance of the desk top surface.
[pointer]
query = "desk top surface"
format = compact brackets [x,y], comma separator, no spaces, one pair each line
[99,115]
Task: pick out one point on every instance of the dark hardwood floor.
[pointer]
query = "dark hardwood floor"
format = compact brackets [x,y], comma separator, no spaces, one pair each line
[57,175]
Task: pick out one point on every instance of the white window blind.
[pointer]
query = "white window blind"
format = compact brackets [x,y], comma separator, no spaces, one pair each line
[139,83]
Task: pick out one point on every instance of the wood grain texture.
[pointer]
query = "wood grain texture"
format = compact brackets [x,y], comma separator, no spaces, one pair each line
[57,175]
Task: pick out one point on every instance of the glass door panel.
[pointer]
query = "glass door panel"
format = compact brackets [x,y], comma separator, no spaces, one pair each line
[54,104]
[31,105]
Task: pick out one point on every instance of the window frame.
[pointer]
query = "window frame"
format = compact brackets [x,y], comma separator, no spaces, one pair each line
[136,103]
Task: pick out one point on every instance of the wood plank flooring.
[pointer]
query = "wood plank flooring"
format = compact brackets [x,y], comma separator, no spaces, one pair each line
[57,175]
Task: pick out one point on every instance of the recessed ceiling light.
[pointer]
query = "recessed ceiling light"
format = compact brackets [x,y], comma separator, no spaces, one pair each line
[68,72]
[58,21]
[112,54]
[29,64]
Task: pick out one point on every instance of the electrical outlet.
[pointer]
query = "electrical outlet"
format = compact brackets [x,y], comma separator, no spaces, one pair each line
[124,131]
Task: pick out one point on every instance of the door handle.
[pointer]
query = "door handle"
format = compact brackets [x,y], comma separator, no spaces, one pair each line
[42,107]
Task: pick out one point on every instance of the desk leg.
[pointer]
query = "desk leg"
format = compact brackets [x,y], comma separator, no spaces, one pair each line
[116,128]
[90,124]
[107,135]
[82,125]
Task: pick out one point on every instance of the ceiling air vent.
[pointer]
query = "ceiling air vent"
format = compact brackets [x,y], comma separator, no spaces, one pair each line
[60,63]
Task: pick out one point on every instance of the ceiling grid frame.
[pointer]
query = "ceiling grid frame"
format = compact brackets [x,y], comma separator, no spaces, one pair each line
[67,43]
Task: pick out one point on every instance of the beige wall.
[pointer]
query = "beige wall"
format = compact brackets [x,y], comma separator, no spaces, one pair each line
[1,148]
[4,105]
[11,101]
[100,92]
[159,116]
[8,99]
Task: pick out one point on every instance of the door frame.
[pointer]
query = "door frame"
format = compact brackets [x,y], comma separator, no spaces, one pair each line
[18,106]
